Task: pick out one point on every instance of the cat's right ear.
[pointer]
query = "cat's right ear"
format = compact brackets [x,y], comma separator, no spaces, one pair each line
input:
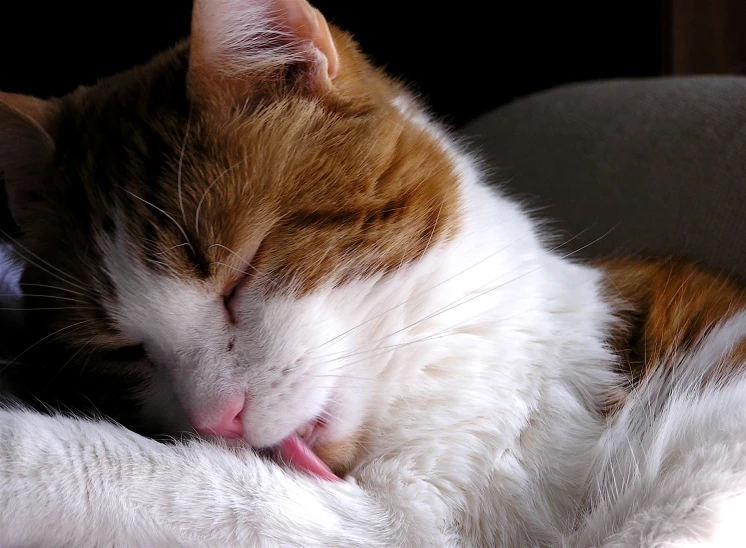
[26,152]
[235,43]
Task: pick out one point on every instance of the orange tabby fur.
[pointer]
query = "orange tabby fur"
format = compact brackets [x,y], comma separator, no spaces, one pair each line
[236,174]
[666,308]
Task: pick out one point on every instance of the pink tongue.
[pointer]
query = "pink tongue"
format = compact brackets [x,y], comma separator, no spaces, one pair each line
[294,451]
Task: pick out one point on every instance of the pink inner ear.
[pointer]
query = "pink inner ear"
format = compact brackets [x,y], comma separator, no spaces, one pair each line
[231,38]
[307,23]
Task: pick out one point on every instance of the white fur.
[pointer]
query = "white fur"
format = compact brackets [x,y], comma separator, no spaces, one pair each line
[473,377]
[671,468]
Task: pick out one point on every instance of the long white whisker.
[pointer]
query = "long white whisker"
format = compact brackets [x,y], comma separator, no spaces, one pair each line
[204,194]
[244,261]
[165,266]
[27,250]
[11,362]
[181,164]
[78,351]
[47,297]
[349,331]
[432,232]
[67,277]
[170,248]
[446,331]
[226,265]
[460,301]
[453,304]
[181,228]
[24,284]
[12,309]
[490,256]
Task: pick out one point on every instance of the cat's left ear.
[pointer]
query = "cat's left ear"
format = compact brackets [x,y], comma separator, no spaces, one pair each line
[234,42]
[26,151]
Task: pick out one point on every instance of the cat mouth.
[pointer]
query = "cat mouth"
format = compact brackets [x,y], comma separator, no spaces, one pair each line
[296,451]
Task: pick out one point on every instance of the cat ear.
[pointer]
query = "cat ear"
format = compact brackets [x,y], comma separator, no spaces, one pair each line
[26,151]
[233,41]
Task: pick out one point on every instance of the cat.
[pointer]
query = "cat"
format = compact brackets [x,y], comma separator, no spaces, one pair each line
[261,245]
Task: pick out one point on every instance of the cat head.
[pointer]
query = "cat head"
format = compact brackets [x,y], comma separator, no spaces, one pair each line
[232,206]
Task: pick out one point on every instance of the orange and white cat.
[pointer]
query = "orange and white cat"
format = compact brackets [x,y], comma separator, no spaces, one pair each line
[381,347]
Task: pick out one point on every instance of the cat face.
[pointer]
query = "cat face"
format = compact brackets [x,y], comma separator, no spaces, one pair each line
[241,207]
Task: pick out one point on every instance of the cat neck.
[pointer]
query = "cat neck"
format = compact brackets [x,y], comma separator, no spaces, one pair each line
[513,337]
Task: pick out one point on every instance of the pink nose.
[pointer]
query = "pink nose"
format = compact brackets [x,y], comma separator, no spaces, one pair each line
[230,424]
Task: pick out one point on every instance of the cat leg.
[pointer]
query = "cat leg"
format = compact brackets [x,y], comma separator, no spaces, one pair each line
[66,481]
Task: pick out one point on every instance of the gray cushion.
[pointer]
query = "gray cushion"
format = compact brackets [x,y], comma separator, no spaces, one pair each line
[654,166]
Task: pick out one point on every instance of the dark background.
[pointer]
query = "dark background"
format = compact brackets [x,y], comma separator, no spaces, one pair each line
[464,59]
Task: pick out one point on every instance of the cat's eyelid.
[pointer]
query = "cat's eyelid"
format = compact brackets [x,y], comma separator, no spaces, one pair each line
[234,286]
[241,273]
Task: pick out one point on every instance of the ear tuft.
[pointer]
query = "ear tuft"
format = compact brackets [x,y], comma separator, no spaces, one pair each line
[26,151]
[234,41]
[305,22]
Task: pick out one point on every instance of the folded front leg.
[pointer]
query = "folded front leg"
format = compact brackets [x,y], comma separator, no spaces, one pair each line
[66,481]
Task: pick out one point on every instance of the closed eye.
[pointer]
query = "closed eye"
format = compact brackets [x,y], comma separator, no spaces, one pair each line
[230,295]
[246,275]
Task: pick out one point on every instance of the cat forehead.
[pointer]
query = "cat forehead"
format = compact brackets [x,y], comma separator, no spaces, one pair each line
[352,171]
[280,142]
[320,194]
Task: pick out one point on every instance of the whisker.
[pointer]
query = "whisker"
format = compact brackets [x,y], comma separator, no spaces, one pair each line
[574,237]
[27,250]
[461,301]
[212,184]
[46,296]
[10,308]
[11,362]
[71,358]
[432,232]
[595,241]
[181,164]
[181,228]
[88,359]
[163,265]
[344,377]
[28,260]
[373,352]
[23,284]
[446,331]
[418,294]
[247,263]
[170,248]
[456,302]
[226,265]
